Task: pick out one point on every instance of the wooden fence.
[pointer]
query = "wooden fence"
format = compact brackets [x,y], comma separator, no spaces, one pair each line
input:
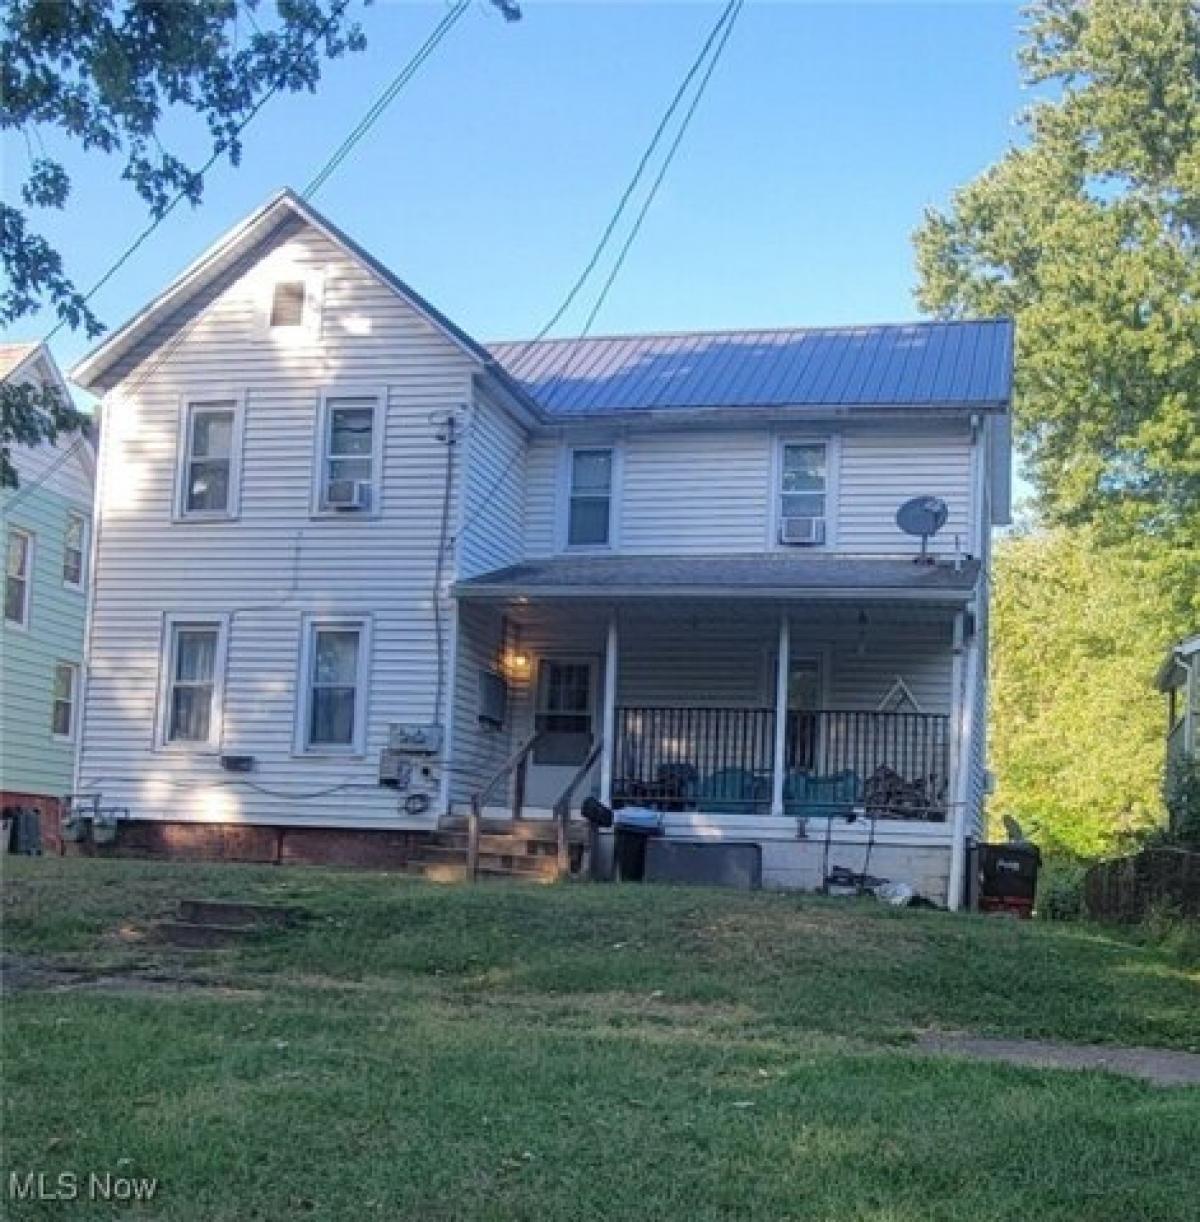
[1127,889]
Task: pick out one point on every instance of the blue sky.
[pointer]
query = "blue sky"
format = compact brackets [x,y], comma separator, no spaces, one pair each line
[826,131]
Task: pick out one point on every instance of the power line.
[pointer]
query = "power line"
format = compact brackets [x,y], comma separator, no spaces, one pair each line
[647,154]
[733,11]
[385,99]
[137,243]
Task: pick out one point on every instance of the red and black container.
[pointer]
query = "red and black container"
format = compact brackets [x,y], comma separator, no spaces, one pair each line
[1008,876]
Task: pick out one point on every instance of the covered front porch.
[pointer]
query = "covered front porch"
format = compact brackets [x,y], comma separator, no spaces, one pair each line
[737,718]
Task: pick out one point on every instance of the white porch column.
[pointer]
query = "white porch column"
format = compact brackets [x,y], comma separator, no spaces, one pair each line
[608,721]
[782,667]
[960,705]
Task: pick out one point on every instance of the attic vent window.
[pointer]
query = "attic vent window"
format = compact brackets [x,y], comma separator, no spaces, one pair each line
[287,304]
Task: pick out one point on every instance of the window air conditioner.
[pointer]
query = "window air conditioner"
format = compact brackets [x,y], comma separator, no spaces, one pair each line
[802,530]
[348,494]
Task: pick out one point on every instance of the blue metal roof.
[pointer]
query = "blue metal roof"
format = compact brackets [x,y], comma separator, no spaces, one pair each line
[907,365]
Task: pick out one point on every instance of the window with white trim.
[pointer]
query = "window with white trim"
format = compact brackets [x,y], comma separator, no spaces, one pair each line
[589,511]
[287,304]
[17,569]
[351,449]
[62,710]
[211,454]
[195,661]
[74,550]
[334,669]
[804,493]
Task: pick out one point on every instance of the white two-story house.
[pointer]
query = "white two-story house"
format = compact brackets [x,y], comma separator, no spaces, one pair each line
[351,562]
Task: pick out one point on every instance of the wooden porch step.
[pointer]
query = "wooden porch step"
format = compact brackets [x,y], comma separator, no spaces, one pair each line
[525,829]
[456,872]
[510,859]
[494,842]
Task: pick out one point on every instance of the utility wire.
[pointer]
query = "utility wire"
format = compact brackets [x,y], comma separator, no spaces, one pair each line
[217,153]
[572,357]
[385,99]
[627,194]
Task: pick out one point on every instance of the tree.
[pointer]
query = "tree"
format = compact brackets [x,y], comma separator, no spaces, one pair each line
[103,74]
[1088,233]
[1077,734]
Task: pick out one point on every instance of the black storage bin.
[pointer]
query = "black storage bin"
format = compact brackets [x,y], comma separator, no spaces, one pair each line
[631,831]
[1008,876]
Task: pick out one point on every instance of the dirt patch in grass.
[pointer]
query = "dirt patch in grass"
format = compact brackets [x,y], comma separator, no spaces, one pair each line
[1163,1067]
[20,974]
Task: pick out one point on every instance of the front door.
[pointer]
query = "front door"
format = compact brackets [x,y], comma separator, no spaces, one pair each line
[565,718]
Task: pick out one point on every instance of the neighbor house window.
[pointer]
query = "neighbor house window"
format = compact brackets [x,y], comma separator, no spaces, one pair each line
[590,509]
[74,546]
[62,714]
[287,304]
[564,711]
[804,493]
[211,456]
[195,663]
[18,566]
[333,708]
[351,452]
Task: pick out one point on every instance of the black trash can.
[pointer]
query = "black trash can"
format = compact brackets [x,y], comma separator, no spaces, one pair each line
[632,828]
[1008,876]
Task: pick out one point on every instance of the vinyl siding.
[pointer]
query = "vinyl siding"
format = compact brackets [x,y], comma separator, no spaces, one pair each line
[275,562]
[491,536]
[708,490]
[31,759]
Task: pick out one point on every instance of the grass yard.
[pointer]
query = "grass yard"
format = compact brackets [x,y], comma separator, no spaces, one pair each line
[508,1052]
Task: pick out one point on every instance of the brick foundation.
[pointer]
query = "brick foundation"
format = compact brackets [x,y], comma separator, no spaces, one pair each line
[271,845]
[48,815]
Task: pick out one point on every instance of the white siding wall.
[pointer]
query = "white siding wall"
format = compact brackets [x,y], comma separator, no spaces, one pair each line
[492,534]
[276,562]
[712,490]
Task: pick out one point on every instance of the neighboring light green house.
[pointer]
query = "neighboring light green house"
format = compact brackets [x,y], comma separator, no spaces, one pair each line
[47,523]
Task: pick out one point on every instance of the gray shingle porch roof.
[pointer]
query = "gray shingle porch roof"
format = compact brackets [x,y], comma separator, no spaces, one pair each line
[810,574]
[927,365]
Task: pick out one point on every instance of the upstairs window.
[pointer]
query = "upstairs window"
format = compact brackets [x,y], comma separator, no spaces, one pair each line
[74,547]
[589,514]
[287,304]
[351,452]
[194,666]
[211,456]
[18,565]
[333,709]
[62,715]
[804,494]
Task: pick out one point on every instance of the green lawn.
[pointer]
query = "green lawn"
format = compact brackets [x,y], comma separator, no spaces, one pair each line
[579,1052]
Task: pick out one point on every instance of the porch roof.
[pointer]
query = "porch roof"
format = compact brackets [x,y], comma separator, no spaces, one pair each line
[807,575]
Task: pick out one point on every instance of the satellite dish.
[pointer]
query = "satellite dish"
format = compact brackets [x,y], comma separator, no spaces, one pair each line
[923,516]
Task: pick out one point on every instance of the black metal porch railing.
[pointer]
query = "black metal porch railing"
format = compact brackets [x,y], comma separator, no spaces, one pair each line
[892,765]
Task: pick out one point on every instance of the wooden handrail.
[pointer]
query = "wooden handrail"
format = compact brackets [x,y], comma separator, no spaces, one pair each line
[518,762]
[562,808]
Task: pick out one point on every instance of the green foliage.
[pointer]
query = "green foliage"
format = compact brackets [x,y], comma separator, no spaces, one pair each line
[1088,233]
[30,415]
[1060,889]
[1077,726]
[1181,793]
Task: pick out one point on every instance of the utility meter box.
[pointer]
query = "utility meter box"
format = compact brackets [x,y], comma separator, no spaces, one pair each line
[416,738]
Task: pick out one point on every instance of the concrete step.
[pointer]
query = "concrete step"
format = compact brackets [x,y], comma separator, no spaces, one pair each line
[237,913]
[205,937]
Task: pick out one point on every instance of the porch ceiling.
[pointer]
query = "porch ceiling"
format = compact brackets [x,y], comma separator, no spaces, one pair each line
[814,576]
